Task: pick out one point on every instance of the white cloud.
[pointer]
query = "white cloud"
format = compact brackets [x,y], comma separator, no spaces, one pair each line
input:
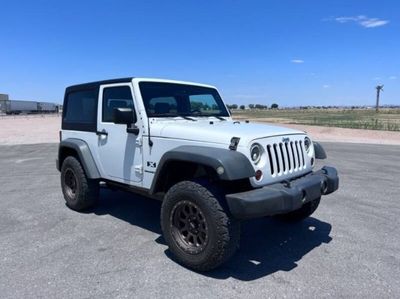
[345,19]
[377,78]
[392,78]
[363,21]
[297,61]
[371,23]
[326,86]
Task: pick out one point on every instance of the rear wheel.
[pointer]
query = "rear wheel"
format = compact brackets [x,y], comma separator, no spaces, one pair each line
[80,193]
[304,212]
[198,230]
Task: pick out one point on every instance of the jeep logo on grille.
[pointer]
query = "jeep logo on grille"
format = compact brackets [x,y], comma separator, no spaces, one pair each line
[285,139]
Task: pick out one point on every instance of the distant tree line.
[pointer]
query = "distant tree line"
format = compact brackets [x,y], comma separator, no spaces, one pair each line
[253,106]
[276,106]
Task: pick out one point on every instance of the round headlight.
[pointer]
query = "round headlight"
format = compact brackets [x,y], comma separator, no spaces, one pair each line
[307,143]
[255,153]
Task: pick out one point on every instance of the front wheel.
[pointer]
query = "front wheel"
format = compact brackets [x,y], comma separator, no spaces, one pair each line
[300,214]
[199,232]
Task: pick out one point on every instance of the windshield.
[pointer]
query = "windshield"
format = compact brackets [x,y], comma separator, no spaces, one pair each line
[171,100]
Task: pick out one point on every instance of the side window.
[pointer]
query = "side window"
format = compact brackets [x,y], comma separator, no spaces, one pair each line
[81,110]
[115,97]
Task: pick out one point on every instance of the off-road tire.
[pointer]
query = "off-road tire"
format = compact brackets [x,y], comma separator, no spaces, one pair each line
[86,191]
[304,212]
[222,233]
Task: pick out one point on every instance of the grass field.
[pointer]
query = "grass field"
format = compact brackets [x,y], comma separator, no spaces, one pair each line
[386,119]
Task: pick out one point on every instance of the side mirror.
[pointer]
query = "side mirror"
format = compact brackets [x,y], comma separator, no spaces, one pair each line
[127,117]
[124,116]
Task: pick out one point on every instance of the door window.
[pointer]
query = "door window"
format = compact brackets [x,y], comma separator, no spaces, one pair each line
[116,97]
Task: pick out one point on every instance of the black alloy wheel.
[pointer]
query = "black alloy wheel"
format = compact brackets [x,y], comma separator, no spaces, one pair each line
[189,227]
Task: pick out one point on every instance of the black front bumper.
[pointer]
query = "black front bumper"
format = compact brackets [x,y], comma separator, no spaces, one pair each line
[283,197]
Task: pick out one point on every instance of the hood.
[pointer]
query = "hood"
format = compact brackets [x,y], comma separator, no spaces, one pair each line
[217,132]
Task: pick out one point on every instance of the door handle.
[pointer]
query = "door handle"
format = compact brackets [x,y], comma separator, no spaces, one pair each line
[102,132]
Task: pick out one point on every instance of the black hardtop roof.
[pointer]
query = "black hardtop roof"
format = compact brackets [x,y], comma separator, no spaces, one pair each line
[96,84]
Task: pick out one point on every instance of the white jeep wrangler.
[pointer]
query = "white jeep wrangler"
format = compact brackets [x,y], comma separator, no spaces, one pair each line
[176,141]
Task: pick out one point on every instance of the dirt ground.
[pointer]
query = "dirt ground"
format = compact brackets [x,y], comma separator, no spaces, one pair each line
[29,129]
[44,129]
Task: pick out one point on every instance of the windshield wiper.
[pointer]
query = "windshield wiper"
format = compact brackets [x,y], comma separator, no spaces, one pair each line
[187,117]
[209,115]
[172,115]
[219,117]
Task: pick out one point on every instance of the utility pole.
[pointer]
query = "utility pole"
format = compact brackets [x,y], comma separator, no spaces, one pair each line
[379,88]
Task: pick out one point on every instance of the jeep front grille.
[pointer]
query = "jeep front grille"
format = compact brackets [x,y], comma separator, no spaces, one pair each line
[286,157]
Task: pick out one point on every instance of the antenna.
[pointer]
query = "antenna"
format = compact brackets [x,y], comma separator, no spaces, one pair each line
[148,129]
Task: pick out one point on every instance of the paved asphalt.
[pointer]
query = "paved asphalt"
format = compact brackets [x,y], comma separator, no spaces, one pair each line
[349,248]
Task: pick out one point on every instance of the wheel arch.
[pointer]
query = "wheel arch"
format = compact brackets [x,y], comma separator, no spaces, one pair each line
[79,149]
[185,160]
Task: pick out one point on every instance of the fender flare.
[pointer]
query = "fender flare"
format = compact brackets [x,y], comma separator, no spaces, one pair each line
[235,164]
[319,151]
[84,154]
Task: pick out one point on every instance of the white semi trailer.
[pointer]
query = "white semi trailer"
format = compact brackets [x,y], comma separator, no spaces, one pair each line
[18,107]
[29,107]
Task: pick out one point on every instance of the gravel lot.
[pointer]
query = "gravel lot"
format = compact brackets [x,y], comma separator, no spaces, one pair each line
[349,248]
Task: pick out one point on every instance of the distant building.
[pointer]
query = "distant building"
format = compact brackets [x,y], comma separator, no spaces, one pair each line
[3,99]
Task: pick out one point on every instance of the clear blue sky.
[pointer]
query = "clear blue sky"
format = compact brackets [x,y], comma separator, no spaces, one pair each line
[289,52]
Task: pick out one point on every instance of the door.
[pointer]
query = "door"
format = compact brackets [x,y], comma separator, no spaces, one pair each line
[120,153]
